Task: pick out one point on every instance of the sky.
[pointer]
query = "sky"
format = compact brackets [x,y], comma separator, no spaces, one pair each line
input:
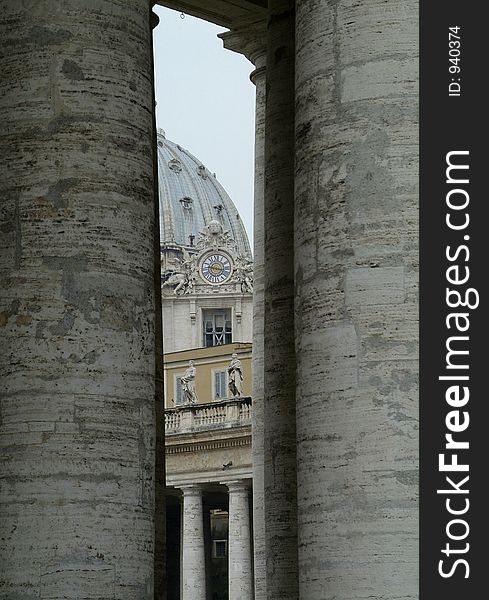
[206,102]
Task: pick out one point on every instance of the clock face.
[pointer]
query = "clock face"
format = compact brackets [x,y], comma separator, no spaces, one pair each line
[216,268]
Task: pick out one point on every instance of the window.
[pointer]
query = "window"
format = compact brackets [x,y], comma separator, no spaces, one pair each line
[219,548]
[220,385]
[217,327]
[178,391]
[186,203]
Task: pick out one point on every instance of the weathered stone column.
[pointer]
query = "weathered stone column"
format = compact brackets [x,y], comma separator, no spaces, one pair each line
[356,312]
[77,313]
[193,567]
[251,40]
[280,488]
[161,585]
[240,569]
[259,79]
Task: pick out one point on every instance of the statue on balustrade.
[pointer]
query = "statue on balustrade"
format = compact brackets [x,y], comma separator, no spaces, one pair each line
[235,372]
[188,384]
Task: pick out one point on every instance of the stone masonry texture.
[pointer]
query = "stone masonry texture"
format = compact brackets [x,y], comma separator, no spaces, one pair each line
[258,343]
[77,312]
[280,486]
[356,269]
[193,550]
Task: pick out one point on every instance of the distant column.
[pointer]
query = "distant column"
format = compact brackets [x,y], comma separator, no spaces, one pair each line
[193,568]
[251,40]
[239,545]
[77,300]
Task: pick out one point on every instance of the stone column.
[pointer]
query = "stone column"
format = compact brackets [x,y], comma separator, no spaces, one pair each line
[250,40]
[160,566]
[77,306]
[280,487]
[259,79]
[239,545]
[356,281]
[193,567]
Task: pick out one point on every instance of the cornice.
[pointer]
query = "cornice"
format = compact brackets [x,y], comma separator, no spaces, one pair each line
[209,445]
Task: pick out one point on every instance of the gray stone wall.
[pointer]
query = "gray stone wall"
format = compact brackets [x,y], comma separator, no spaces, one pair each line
[77,314]
[356,298]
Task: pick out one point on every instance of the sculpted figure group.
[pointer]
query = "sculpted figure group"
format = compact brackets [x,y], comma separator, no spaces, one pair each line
[235,381]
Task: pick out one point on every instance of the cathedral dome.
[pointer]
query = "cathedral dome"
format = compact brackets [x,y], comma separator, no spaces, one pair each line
[192,199]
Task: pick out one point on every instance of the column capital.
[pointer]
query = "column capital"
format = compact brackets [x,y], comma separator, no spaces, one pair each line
[250,39]
[191,489]
[237,486]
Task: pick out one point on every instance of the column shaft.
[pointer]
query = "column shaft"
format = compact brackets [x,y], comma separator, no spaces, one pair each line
[77,307]
[259,79]
[251,40]
[280,485]
[240,569]
[160,565]
[193,568]
[356,282]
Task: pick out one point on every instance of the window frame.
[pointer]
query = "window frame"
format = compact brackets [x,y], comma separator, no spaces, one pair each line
[177,388]
[227,313]
[214,549]
[219,370]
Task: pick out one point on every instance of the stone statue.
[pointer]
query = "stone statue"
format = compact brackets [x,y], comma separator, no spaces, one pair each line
[235,373]
[243,274]
[183,275]
[213,235]
[188,384]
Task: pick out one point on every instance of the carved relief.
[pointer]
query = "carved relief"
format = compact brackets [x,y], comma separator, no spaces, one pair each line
[182,275]
[220,266]
[243,273]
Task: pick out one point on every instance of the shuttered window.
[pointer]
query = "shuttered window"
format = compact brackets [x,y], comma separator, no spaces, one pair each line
[178,391]
[220,385]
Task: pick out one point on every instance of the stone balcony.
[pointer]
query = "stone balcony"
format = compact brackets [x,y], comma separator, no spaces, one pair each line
[208,443]
[223,414]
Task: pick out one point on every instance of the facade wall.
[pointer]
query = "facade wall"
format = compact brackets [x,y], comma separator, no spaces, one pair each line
[207,360]
[182,318]
[201,465]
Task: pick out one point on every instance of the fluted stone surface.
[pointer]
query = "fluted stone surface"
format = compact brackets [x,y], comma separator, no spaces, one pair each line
[240,569]
[77,313]
[161,585]
[251,41]
[193,550]
[280,487]
[259,79]
[356,311]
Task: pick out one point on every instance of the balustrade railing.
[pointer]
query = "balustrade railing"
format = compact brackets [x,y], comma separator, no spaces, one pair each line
[224,413]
